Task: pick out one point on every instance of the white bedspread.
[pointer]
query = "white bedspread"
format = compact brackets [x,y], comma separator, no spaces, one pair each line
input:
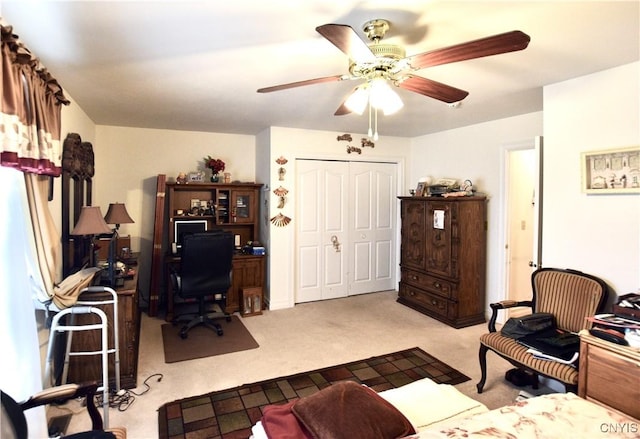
[558,415]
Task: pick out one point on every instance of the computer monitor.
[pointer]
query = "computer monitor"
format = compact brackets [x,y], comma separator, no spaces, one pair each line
[182,227]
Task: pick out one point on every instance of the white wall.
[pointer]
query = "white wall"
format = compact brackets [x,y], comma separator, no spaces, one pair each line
[296,143]
[598,234]
[476,153]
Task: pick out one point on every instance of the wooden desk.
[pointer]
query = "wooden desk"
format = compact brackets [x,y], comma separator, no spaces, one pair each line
[85,368]
[248,271]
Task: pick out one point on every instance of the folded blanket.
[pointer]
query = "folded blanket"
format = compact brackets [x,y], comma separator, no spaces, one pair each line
[422,403]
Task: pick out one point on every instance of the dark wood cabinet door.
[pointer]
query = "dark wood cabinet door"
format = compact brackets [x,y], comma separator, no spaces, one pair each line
[440,254]
[248,271]
[412,231]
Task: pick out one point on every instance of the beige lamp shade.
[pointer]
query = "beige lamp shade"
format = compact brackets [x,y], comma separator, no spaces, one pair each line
[117,214]
[91,222]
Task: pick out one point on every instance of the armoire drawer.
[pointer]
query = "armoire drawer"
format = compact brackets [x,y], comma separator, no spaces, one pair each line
[430,302]
[429,283]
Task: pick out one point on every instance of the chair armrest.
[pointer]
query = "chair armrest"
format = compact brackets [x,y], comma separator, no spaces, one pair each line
[504,304]
[66,392]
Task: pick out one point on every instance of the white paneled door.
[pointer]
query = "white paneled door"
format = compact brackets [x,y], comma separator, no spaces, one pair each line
[345,239]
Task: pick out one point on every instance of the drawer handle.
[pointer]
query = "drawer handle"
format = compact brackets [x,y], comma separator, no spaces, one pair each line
[434,303]
[411,293]
[437,285]
[414,277]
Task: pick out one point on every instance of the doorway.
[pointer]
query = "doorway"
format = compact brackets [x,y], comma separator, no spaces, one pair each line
[523,225]
[345,233]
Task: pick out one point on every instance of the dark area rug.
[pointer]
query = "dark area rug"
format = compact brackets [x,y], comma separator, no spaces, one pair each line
[229,414]
[204,342]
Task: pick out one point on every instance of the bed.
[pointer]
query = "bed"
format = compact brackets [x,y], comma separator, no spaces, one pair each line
[426,410]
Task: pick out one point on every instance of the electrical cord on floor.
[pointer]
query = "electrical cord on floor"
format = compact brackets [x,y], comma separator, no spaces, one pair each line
[123,399]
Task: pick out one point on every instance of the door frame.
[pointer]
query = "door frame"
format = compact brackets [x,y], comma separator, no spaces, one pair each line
[535,143]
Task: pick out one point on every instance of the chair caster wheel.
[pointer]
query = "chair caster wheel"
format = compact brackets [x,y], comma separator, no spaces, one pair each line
[220,332]
[183,334]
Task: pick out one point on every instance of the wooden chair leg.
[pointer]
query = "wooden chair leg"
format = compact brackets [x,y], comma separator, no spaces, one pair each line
[482,356]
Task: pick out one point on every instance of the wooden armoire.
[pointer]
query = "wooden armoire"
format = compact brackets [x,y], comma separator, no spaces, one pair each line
[443,258]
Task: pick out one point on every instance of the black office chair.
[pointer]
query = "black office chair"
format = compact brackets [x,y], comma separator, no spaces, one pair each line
[15,424]
[205,272]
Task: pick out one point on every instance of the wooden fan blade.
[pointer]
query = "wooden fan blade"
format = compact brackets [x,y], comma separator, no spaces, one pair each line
[433,89]
[494,45]
[334,78]
[347,40]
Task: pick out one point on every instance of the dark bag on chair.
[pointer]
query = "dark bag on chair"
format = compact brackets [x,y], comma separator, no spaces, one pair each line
[536,323]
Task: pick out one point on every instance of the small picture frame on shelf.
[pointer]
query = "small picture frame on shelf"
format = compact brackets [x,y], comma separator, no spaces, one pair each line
[420,189]
[195,177]
[251,301]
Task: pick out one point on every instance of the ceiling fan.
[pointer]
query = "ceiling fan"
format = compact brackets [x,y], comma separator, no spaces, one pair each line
[377,61]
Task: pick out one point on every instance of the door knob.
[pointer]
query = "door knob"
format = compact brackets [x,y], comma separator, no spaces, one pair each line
[531,264]
[336,243]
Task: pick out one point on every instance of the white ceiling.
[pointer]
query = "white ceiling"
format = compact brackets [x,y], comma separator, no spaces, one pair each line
[196,65]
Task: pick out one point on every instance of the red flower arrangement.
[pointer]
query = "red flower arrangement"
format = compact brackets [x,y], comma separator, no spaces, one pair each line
[216,165]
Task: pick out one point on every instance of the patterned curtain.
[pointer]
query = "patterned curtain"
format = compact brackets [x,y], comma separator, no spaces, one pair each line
[31,110]
[30,131]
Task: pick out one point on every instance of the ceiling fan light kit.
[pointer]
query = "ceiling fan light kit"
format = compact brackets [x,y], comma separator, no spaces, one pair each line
[380,65]
[378,94]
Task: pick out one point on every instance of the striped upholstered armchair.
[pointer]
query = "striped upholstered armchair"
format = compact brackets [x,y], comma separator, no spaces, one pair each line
[570,296]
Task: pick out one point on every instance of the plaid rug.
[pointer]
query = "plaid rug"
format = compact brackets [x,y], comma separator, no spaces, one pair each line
[229,414]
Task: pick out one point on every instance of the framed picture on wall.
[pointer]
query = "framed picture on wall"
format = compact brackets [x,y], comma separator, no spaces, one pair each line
[611,171]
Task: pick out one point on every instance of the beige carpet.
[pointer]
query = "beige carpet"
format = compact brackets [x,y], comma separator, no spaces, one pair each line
[204,342]
[306,337]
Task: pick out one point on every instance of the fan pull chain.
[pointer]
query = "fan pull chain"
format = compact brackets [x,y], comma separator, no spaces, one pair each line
[375,134]
[370,132]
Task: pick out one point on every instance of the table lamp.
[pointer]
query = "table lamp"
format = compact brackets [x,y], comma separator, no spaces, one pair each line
[91,223]
[117,214]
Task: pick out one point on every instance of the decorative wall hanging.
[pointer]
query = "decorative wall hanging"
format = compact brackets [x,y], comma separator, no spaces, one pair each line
[281,193]
[612,171]
[351,149]
[280,220]
[367,143]
[346,137]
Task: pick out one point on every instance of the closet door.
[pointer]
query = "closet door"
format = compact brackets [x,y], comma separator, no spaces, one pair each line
[345,235]
[372,218]
[321,230]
